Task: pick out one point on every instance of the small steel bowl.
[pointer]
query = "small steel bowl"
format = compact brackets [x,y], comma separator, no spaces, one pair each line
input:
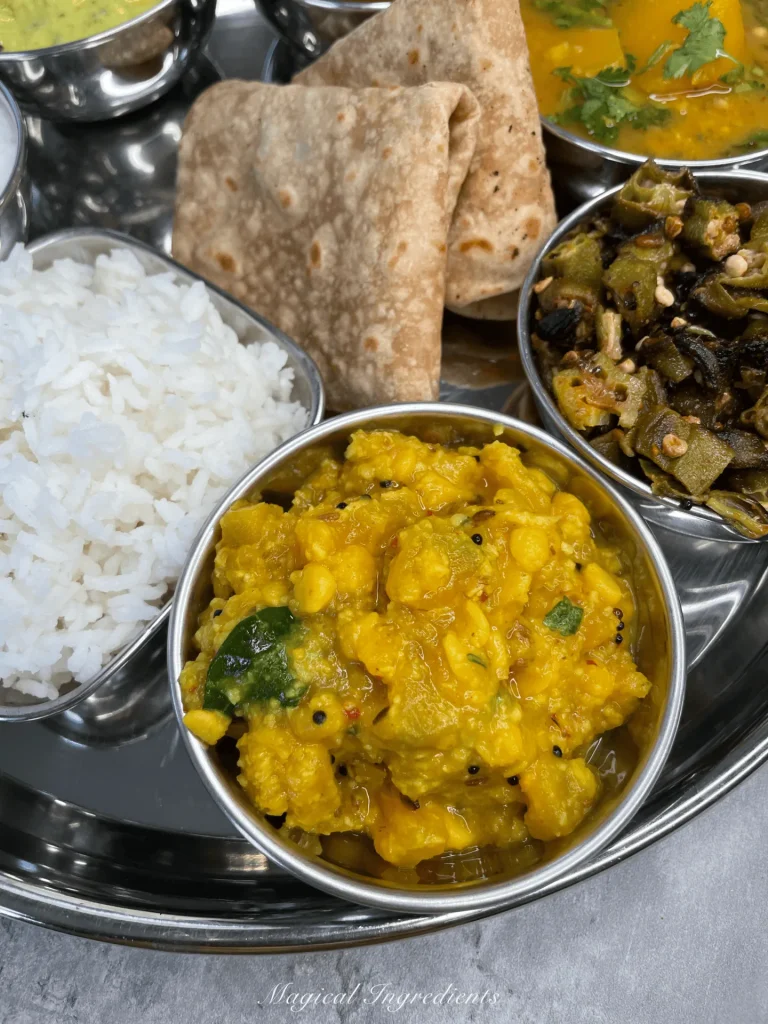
[96,696]
[14,218]
[660,653]
[738,186]
[310,26]
[114,72]
[582,169]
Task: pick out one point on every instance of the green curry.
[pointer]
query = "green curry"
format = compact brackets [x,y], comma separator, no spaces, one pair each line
[37,24]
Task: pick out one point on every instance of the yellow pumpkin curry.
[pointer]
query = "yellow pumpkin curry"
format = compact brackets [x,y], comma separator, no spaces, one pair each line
[661,78]
[421,649]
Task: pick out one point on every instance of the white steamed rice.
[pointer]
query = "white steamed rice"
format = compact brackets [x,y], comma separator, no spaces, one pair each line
[127,408]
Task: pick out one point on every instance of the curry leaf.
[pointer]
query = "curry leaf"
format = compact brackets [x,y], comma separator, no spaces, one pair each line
[251,665]
[703,44]
[565,618]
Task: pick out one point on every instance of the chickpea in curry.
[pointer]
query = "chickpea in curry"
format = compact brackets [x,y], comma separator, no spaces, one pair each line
[661,78]
[421,650]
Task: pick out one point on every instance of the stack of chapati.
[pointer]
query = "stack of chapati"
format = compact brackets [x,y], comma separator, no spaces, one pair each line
[403,172]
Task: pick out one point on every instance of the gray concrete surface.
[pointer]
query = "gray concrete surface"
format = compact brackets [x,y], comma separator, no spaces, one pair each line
[677,934]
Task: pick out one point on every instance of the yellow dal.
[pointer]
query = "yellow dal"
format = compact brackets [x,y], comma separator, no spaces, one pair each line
[36,24]
[403,610]
[708,118]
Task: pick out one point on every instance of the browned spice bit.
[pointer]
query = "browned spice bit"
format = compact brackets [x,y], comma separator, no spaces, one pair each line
[627,366]
[692,419]
[570,358]
[343,771]
[540,286]
[673,226]
[482,515]
[655,450]
[618,613]
[687,504]
[380,715]
[678,321]
[413,804]
[514,780]
[673,446]
[744,210]
[328,517]
[557,751]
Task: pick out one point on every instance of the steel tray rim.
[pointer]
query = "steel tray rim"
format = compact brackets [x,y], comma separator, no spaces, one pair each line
[60,911]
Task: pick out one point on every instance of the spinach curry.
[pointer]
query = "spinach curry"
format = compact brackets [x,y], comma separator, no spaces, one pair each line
[661,78]
[37,24]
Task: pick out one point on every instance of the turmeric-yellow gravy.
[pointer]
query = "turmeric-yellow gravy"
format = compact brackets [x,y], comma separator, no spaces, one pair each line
[719,109]
[441,712]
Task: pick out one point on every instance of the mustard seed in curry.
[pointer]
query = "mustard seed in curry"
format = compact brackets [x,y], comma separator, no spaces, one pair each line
[421,650]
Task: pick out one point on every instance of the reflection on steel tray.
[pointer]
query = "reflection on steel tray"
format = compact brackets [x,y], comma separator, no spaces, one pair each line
[152,860]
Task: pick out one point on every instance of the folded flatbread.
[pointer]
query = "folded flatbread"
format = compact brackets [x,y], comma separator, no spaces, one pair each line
[505,210]
[327,211]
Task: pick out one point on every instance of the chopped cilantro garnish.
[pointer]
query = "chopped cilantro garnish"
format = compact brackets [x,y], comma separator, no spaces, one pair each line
[601,104]
[576,12]
[703,44]
[743,79]
[476,660]
[757,140]
[658,54]
[565,618]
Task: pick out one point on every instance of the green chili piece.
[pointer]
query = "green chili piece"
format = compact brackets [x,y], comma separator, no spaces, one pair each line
[758,236]
[732,297]
[565,618]
[251,666]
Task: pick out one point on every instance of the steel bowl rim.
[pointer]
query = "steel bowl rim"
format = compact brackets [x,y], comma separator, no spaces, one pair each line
[20,163]
[65,702]
[90,42]
[636,159]
[718,527]
[347,6]
[344,885]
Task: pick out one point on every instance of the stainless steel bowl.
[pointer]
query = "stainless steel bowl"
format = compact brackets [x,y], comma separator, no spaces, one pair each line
[85,245]
[660,654]
[736,185]
[582,169]
[310,26]
[114,72]
[14,216]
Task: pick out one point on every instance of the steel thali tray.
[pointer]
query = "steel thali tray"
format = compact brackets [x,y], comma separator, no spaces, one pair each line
[105,828]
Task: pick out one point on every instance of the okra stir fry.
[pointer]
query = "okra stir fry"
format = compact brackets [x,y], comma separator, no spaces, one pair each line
[651,331]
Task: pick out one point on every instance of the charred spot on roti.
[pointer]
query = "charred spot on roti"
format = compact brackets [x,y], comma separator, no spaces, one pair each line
[402,247]
[476,243]
[532,227]
[486,65]
[231,184]
[226,261]
[413,57]
[315,255]
[371,345]
[341,116]
[514,252]
[386,153]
